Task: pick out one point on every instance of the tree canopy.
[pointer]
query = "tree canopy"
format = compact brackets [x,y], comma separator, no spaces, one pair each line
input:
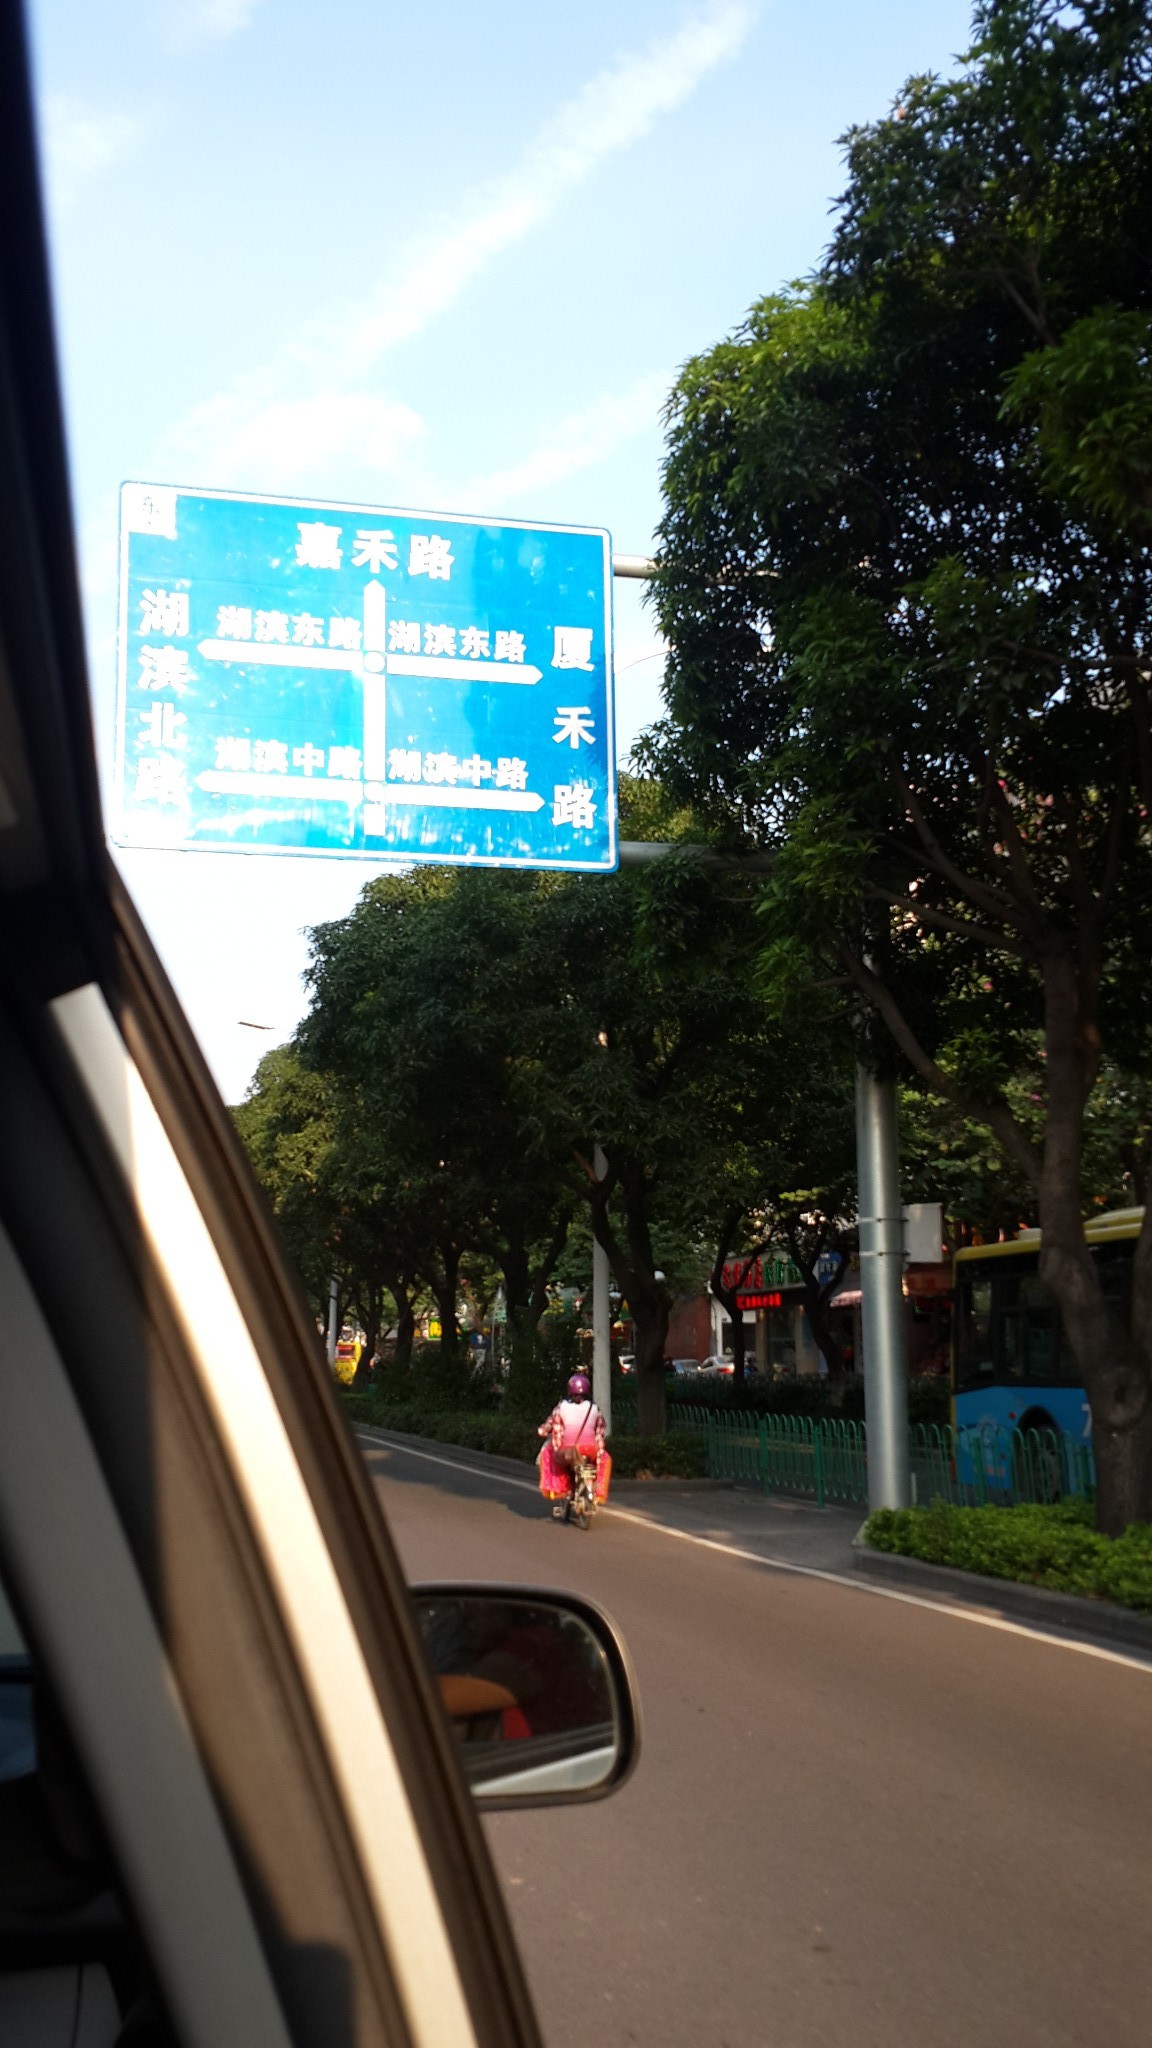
[473,1036]
[905,572]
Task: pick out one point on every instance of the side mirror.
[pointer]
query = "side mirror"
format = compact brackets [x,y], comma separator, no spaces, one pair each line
[538,1689]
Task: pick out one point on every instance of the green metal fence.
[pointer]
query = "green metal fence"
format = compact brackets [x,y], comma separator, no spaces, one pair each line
[828,1461]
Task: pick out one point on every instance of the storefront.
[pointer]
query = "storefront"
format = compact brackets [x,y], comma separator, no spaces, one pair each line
[770,1297]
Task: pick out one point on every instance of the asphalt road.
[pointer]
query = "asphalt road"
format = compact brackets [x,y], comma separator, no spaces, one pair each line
[857,1822]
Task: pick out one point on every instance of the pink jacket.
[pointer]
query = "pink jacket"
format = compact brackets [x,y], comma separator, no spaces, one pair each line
[575,1424]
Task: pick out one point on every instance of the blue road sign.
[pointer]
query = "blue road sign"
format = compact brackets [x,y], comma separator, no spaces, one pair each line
[348,681]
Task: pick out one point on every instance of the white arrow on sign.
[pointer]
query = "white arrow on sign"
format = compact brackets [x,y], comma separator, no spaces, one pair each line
[454,671]
[468,799]
[231,782]
[278,656]
[450,671]
[326,789]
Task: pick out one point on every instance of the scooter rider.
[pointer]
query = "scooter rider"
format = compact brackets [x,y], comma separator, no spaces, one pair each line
[575,1427]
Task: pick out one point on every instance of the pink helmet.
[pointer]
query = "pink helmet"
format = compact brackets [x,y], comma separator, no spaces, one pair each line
[579,1387]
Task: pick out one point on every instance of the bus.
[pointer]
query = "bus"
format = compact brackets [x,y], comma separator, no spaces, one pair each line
[1012,1367]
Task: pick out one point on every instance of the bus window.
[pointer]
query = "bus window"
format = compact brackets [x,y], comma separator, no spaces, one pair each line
[974,1329]
[1013,1323]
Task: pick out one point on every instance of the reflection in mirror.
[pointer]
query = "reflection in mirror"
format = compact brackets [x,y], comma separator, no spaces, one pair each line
[535,1687]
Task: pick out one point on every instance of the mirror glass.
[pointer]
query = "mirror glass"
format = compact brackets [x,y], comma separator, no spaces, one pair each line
[531,1689]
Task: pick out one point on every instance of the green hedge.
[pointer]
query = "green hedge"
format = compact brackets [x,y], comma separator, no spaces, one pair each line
[1041,1546]
[506,1436]
[929,1400]
[659,1457]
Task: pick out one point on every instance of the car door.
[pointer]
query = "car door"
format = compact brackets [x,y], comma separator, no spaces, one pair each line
[212,1605]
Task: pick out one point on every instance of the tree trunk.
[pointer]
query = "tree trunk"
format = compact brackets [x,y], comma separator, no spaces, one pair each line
[405,1324]
[635,1271]
[446,1289]
[1123,1463]
[538,1299]
[524,1389]
[650,1316]
[816,1299]
[523,1392]
[372,1307]
[1113,1361]
[728,1297]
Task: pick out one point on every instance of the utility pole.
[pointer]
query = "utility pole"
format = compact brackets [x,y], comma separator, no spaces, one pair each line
[881,1222]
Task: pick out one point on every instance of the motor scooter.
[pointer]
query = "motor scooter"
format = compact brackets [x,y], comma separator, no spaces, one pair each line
[581,1505]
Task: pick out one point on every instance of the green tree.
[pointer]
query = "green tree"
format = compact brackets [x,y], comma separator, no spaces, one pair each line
[482,1031]
[909,596]
[286,1122]
[781,1168]
[426,1013]
[948,1157]
[340,1215]
[657,1043]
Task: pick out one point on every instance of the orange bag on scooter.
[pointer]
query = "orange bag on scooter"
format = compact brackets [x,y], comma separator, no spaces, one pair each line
[555,1480]
[603,1476]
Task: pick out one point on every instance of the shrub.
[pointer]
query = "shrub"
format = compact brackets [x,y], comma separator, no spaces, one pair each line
[507,1436]
[659,1457]
[472,1429]
[429,1382]
[929,1400]
[1040,1546]
[809,1395]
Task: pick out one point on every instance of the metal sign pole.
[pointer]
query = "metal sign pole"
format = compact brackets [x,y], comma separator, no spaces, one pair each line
[882,1293]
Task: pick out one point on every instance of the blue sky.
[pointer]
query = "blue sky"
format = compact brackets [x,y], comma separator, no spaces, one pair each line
[447,257]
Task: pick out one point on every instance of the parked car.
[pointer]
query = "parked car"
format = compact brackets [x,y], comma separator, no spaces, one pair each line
[234,1811]
[685,1368]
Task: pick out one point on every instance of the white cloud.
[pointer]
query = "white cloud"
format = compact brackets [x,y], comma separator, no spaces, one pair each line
[81,141]
[576,443]
[292,441]
[615,109]
[618,107]
[211,20]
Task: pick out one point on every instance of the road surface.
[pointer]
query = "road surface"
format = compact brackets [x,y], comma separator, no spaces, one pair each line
[857,1822]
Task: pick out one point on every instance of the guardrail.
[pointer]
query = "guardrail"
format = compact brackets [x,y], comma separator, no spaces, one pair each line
[828,1460]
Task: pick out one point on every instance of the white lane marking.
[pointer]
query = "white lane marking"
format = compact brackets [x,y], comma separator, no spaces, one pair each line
[800,1571]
